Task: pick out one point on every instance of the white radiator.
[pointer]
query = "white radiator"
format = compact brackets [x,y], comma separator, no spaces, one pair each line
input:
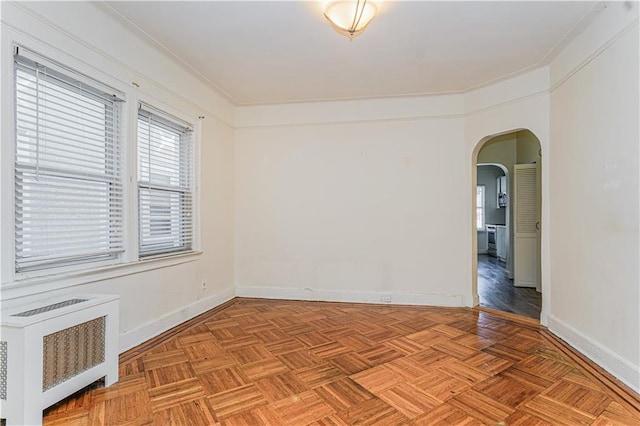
[51,349]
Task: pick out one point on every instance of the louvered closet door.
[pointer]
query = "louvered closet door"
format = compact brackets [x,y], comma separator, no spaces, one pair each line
[526,223]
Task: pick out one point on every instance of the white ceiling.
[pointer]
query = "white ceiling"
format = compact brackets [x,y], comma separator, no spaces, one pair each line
[284,51]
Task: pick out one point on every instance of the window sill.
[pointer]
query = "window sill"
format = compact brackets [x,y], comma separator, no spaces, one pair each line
[33,286]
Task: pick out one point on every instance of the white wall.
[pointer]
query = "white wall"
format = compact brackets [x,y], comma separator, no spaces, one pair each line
[156,295]
[594,193]
[352,211]
[358,200]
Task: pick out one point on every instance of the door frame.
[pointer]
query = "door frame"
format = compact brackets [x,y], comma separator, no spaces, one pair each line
[543,237]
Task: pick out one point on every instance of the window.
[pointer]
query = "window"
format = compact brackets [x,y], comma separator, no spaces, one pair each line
[165,195]
[68,182]
[480,207]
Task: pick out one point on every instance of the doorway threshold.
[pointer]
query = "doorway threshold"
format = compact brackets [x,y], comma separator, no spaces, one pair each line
[520,319]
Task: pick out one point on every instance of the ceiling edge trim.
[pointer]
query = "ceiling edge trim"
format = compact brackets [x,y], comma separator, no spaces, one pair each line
[579,26]
[124,66]
[586,61]
[462,115]
[155,44]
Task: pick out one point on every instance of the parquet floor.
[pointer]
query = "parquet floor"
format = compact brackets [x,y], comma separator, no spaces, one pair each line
[267,362]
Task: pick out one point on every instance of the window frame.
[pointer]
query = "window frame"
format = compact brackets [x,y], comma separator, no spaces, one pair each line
[13,284]
[66,76]
[482,206]
[186,188]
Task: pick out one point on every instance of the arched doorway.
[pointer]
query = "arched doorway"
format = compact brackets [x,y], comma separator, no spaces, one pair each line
[507,268]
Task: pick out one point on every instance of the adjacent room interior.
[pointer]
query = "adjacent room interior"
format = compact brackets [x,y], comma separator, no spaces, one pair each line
[509,177]
[319,212]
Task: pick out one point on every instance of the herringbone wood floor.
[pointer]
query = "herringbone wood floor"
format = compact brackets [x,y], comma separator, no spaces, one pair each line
[265,362]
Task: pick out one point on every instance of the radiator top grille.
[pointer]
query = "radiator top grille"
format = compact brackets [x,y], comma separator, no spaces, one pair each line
[49,308]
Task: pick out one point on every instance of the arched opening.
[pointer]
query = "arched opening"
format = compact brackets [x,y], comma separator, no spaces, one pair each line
[506,243]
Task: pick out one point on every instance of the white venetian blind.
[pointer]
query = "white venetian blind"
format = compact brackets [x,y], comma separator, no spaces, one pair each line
[165,168]
[68,185]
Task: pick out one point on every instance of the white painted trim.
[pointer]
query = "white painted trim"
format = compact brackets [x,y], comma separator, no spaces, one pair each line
[586,61]
[544,317]
[507,91]
[302,115]
[196,169]
[624,370]
[43,284]
[349,112]
[476,300]
[138,335]
[164,50]
[608,23]
[21,15]
[448,300]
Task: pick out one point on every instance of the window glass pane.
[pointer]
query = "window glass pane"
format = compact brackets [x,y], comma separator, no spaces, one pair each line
[480,207]
[159,154]
[160,220]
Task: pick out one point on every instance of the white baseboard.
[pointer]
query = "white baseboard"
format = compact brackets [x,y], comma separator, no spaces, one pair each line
[622,369]
[476,300]
[351,296]
[136,336]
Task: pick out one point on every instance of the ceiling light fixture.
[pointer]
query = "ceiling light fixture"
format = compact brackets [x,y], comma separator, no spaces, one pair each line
[350,17]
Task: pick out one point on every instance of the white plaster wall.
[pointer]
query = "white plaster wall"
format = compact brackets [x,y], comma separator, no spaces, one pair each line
[87,38]
[363,199]
[595,302]
[353,211]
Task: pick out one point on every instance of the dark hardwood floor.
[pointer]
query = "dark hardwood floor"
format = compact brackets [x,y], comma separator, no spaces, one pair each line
[497,291]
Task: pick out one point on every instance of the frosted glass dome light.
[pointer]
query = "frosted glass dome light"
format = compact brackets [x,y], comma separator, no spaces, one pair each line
[350,17]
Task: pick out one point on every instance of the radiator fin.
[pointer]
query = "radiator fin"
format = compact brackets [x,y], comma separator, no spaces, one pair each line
[3,370]
[48,308]
[69,352]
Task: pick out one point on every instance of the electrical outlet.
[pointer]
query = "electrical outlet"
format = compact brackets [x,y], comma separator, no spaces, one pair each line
[385,299]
